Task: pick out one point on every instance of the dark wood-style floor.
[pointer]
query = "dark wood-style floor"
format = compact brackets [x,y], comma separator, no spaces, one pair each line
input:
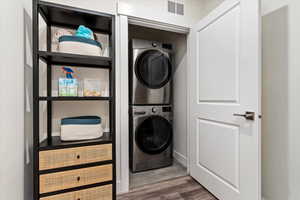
[183,188]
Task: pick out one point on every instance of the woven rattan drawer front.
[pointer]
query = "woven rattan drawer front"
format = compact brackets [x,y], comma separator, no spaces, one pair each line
[74,156]
[96,193]
[75,178]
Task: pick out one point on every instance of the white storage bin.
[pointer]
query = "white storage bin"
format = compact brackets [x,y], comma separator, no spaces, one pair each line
[79,45]
[81,128]
[81,132]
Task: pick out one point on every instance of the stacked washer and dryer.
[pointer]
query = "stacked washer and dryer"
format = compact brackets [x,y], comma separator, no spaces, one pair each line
[151,134]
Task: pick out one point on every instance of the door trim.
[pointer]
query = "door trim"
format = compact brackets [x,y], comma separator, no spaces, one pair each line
[122,132]
[157,25]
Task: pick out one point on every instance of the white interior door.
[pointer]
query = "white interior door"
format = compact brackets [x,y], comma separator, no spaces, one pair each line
[224,81]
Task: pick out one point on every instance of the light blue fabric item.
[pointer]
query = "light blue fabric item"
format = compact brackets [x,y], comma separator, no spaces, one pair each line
[85,32]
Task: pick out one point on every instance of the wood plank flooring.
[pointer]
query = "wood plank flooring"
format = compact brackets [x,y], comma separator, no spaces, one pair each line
[157,175]
[182,188]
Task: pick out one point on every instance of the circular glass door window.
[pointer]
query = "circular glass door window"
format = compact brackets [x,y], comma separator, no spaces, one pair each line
[153,69]
[154,135]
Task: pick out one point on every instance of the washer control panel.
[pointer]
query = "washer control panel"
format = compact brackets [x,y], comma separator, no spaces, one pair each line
[151,110]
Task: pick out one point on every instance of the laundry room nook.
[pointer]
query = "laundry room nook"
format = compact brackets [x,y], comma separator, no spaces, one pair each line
[157,104]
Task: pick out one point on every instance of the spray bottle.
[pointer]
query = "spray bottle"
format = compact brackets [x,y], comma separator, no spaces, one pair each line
[68,86]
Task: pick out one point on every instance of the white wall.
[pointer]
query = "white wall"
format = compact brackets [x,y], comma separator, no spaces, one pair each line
[106,6]
[268,6]
[209,5]
[281,149]
[157,10]
[294,99]
[180,98]
[11,94]
[275,135]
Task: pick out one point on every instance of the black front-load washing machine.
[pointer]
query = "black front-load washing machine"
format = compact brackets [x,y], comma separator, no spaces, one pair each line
[151,137]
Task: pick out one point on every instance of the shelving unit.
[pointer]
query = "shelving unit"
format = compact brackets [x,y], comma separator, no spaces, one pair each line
[103,149]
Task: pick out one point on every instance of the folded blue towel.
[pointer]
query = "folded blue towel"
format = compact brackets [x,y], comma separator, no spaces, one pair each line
[88,120]
[85,32]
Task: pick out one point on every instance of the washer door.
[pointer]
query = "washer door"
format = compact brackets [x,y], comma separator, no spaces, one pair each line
[154,135]
[153,69]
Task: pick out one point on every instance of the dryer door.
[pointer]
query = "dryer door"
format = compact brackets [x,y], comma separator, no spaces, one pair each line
[153,69]
[154,135]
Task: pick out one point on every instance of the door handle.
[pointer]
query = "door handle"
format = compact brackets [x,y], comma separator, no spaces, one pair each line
[248,115]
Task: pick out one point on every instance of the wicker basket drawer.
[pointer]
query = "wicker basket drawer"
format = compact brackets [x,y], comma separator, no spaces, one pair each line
[96,193]
[75,178]
[74,156]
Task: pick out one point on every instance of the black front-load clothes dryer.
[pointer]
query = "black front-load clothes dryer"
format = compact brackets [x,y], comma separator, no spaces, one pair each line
[150,73]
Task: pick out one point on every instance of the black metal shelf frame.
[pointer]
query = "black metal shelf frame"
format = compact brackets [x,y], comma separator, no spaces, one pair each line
[50,98]
[76,189]
[69,17]
[56,143]
[57,58]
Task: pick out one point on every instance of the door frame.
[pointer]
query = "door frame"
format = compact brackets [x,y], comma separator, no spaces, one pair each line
[122,92]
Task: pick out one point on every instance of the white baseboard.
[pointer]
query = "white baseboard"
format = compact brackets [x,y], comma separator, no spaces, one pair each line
[180,158]
[120,188]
